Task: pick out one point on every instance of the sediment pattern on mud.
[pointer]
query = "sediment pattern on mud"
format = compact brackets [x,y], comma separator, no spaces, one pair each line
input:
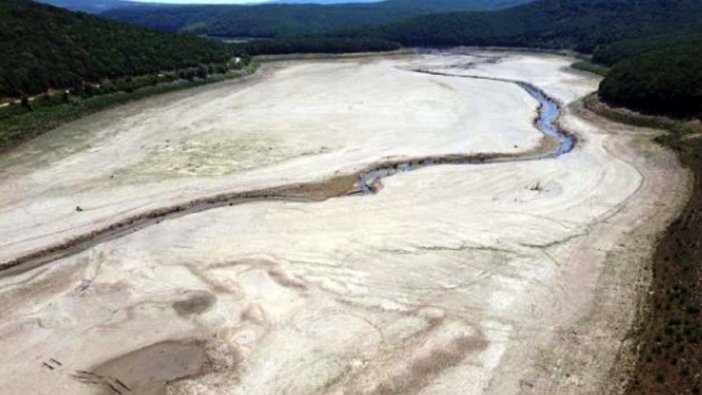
[519,276]
[362,182]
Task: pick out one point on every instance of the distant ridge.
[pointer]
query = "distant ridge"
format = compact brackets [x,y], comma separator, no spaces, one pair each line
[322,1]
[89,6]
[50,48]
[573,24]
[286,20]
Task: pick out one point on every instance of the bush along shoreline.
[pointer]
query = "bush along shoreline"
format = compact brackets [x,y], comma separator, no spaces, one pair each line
[26,118]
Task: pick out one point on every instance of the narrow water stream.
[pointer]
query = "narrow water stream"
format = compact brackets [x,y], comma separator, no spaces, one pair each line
[548,113]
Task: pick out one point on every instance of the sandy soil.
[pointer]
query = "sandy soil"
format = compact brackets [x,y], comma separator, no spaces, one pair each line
[451,280]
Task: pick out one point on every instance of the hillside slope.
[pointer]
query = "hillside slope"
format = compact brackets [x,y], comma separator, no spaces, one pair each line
[90,6]
[577,24]
[49,47]
[662,74]
[280,20]
[655,46]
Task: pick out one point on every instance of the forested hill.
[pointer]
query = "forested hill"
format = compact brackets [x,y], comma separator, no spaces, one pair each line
[46,47]
[454,5]
[655,46]
[284,20]
[91,6]
[661,74]
[577,24]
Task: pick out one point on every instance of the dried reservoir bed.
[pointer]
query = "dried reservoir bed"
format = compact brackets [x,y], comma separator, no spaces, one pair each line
[492,278]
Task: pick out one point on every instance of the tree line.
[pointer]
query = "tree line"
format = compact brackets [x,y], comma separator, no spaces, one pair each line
[662,74]
[652,44]
[46,48]
[317,45]
[583,25]
[288,20]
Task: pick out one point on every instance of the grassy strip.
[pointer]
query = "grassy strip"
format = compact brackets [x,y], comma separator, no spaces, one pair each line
[15,129]
[589,66]
[679,129]
[19,128]
[669,335]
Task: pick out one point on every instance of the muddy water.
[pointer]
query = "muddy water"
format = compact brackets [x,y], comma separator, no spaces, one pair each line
[549,112]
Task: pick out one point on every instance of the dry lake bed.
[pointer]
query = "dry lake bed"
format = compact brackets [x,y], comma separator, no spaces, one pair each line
[520,275]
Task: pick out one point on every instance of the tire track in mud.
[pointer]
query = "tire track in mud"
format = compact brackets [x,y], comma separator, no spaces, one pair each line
[367,181]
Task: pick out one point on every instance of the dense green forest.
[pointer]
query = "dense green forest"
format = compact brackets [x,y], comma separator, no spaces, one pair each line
[655,46]
[91,6]
[575,24]
[45,47]
[661,75]
[284,20]
[317,45]
[612,53]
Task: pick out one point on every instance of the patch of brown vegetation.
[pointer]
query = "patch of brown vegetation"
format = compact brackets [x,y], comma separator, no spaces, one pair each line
[670,351]
[321,190]
[669,333]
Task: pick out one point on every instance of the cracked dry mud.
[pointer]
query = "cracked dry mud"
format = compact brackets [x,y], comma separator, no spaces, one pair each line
[450,280]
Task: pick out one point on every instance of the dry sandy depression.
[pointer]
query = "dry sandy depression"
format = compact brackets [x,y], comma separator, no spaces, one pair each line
[452,279]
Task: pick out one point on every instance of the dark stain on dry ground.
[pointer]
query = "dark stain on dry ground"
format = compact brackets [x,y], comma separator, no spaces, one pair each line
[148,370]
[195,304]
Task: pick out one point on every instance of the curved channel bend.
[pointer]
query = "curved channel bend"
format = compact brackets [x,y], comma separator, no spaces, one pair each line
[548,113]
[362,182]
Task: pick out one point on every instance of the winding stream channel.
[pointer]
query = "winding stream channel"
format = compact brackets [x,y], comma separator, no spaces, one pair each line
[546,122]
[360,183]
